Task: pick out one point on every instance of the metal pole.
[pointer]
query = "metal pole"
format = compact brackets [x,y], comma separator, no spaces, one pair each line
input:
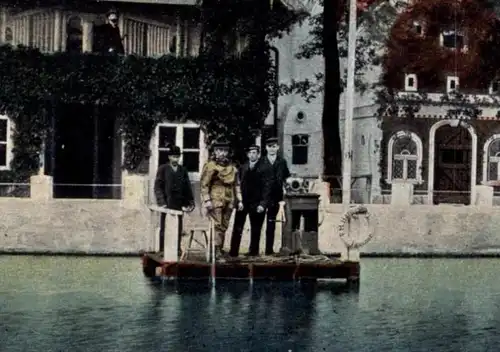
[212,249]
[349,106]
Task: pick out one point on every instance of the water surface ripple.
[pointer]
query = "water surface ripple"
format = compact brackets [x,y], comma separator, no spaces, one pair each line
[59,304]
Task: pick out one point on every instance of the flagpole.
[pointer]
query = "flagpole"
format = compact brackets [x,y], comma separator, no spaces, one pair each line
[349,106]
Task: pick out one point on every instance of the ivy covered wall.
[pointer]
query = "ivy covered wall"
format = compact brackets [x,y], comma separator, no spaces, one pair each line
[228,97]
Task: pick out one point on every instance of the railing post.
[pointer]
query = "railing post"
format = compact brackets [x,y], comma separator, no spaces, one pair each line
[41,187]
[135,189]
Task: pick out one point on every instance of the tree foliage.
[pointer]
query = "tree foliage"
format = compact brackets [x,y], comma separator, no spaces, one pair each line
[420,53]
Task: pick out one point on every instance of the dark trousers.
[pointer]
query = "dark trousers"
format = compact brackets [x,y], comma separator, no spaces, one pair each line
[162,231]
[256,222]
[272,211]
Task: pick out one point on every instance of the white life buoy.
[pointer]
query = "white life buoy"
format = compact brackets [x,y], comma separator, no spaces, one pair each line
[354,213]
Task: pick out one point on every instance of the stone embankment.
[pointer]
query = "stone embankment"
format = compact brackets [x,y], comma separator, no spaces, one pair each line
[106,227]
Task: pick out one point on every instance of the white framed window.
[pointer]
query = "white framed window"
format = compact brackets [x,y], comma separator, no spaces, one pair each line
[5,142]
[404,159]
[411,83]
[454,40]
[300,149]
[188,137]
[491,159]
[452,84]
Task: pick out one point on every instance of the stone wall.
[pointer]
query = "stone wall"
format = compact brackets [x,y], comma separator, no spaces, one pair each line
[422,229]
[69,226]
[106,226]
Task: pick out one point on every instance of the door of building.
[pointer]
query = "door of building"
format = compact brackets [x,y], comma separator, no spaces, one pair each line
[452,165]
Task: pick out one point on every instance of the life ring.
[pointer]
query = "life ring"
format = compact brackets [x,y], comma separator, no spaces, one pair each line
[349,241]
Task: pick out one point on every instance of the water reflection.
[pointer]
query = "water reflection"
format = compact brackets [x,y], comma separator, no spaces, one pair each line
[92,304]
[237,315]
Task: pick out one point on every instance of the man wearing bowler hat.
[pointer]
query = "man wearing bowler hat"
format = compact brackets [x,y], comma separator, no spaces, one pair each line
[255,181]
[108,37]
[220,192]
[173,187]
[280,173]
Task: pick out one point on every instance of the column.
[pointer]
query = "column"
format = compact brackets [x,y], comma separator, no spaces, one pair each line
[27,31]
[186,38]
[57,30]
[63,29]
[87,35]
[178,34]
[3,26]
[136,37]
[149,44]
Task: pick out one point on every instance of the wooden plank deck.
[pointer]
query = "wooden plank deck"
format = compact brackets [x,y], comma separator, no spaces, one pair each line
[260,268]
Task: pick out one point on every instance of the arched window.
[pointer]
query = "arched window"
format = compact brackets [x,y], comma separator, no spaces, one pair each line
[404,160]
[491,159]
[74,35]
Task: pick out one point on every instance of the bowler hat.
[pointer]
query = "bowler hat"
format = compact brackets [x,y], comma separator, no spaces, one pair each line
[253,147]
[112,11]
[221,143]
[175,150]
[272,140]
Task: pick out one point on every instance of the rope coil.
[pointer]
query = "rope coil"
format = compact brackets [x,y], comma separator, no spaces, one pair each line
[353,213]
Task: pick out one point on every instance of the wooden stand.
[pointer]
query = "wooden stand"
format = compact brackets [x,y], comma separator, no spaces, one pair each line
[297,206]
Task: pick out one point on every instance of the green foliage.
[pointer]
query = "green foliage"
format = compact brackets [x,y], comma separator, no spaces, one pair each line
[227,97]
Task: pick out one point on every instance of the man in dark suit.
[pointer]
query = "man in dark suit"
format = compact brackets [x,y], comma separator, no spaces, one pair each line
[255,182]
[173,187]
[108,37]
[280,171]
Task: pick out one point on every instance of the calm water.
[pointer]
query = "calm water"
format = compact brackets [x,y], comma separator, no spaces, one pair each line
[104,304]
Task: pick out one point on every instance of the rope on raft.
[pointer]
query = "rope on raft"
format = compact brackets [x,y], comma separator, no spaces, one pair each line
[291,259]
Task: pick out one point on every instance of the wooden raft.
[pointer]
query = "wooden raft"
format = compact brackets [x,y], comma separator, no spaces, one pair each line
[266,268]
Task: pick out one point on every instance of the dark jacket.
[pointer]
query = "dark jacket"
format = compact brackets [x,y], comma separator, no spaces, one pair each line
[173,188]
[255,184]
[108,37]
[280,173]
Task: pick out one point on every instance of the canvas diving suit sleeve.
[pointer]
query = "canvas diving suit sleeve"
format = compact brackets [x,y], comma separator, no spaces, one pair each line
[206,181]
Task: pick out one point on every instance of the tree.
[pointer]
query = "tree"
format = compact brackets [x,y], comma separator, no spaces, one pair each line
[329,39]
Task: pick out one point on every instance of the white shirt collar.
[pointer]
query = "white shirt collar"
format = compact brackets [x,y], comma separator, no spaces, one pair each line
[271,158]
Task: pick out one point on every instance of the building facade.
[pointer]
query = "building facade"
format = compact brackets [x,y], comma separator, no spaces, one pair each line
[299,121]
[86,157]
[439,133]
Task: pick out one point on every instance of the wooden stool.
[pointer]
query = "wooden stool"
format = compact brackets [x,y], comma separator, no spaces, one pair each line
[194,236]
